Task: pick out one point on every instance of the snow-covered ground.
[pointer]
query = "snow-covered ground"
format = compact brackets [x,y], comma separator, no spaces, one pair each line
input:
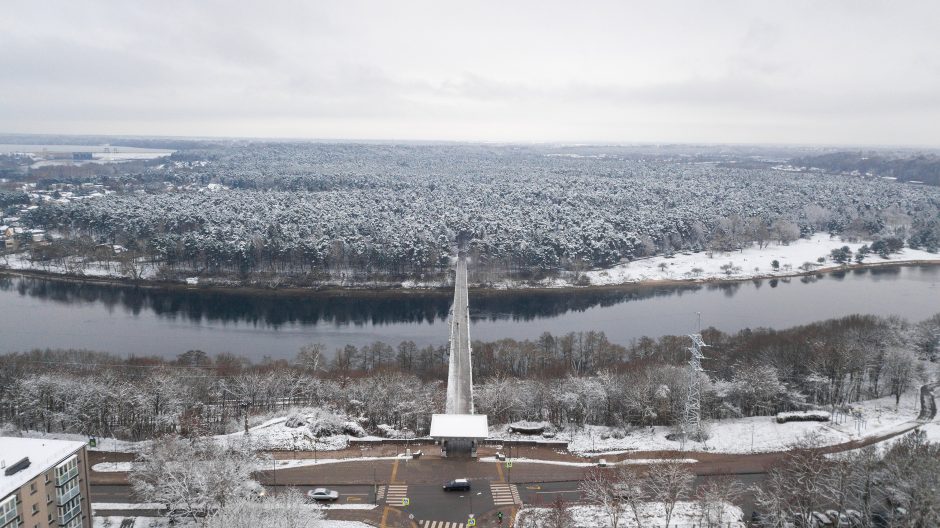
[109,467]
[685,515]
[749,263]
[275,435]
[933,431]
[745,435]
[628,462]
[78,266]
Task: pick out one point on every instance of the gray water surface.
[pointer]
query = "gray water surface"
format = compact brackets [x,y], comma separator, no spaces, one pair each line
[41,313]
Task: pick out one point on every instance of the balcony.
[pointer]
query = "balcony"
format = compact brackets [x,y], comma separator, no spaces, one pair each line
[65,477]
[69,515]
[8,517]
[66,496]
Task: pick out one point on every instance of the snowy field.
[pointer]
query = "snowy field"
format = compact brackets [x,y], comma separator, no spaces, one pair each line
[933,431]
[685,515]
[750,263]
[746,435]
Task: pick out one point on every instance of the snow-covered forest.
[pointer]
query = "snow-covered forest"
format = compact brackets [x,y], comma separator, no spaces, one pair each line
[575,379]
[306,212]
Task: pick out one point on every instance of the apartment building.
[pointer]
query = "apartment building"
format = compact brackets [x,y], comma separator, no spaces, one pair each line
[43,484]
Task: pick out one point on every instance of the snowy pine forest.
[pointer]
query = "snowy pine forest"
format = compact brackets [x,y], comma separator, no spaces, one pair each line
[311,212]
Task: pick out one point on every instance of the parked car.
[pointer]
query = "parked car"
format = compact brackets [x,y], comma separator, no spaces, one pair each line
[457,485]
[322,494]
[843,519]
[822,519]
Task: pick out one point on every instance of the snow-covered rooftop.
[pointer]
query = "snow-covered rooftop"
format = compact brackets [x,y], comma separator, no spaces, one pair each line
[459,426]
[42,454]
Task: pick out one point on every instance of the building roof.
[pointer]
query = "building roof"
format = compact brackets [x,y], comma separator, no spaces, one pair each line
[459,426]
[43,454]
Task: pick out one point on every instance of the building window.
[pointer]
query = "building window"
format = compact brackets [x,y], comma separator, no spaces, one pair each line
[32,488]
[66,471]
[35,509]
[8,510]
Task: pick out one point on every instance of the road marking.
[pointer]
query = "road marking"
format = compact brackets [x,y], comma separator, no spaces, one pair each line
[394,471]
[384,516]
[441,524]
[560,491]
[499,471]
[395,494]
[505,494]
[353,499]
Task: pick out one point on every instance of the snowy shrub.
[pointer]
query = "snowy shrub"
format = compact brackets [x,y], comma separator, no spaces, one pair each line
[528,428]
[324,423]
[618,434]
[353,429]
[803,416]
[390,432]
[294,420]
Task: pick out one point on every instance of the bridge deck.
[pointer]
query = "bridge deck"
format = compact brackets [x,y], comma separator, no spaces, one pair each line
[460,375]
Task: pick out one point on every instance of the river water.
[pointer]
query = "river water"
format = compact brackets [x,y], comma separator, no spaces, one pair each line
[41,313]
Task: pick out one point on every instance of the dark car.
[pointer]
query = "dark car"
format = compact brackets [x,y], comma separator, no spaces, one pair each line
[457,485]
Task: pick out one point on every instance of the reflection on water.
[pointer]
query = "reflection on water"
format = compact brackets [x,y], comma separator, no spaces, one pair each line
[167,321]
[338,308]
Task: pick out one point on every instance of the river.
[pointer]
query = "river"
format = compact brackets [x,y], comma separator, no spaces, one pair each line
[41,313]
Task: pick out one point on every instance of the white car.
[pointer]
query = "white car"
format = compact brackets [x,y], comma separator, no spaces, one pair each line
[322,494]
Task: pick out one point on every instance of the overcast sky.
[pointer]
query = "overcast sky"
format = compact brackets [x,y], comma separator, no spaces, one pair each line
[834,72]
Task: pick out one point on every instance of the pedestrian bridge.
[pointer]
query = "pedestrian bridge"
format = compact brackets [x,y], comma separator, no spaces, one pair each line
[459,429]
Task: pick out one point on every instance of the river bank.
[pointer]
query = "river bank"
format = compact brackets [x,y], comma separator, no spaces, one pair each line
[797,259]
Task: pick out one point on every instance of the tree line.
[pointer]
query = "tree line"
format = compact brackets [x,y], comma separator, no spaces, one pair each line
[574,379]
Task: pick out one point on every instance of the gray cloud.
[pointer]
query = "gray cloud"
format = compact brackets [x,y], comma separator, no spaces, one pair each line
[837,72]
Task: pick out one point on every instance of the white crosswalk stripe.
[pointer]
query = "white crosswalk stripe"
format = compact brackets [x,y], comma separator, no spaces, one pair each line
[441,524]
[504,494]
[395,493]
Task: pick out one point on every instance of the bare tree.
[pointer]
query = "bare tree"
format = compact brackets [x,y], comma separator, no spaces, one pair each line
[899,371]
[602,488]
[796,485]
[558,514]
[286,510]
[193,479]
[669,483]
[713,497]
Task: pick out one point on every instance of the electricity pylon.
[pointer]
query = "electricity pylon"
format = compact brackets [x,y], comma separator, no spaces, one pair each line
[692,418]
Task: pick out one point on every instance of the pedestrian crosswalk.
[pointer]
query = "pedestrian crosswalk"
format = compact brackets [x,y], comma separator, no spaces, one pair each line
[504,494]
[441,524]
[393,494]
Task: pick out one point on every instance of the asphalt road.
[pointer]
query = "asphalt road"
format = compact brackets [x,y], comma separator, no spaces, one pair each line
[459,376]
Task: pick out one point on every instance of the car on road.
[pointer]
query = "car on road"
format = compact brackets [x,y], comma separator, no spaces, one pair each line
[322,494]
[457,485]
